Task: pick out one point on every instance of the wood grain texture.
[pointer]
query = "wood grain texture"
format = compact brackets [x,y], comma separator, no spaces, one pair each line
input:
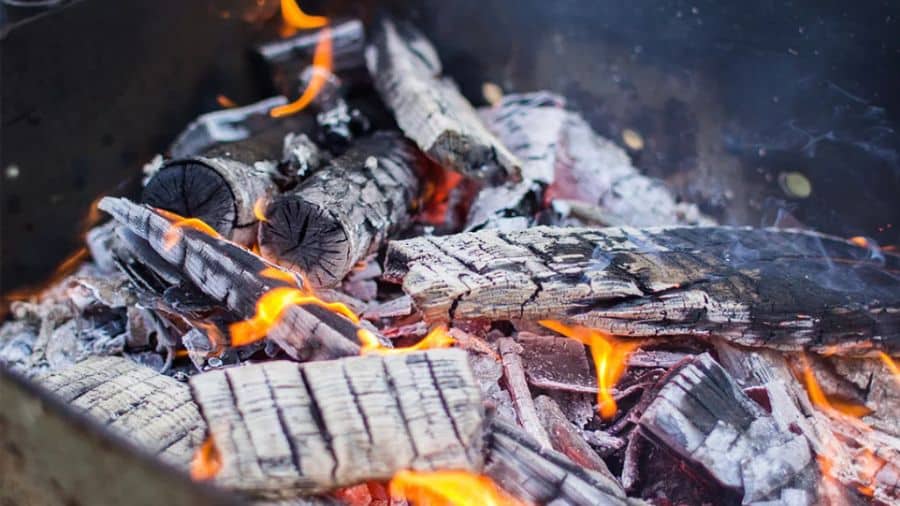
[230,275]
[344,211]
[284,429]
[429,108]
[783,289]
[153,410]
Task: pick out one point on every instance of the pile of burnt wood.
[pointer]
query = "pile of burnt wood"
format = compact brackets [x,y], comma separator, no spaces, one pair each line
[610,343]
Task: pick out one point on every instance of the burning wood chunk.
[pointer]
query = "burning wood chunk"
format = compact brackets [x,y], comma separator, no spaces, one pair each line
[430,109]
[784,289]
[221,192]
[703,416]
[563,156]
[344,211]
[565,438]
[235,278]
[283,429]
[540,475]
[556,363]
[154,411]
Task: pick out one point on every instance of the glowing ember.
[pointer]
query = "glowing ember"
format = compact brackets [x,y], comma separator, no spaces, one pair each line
[610,356]
[439,183]
[448,488]
[860,241]
[296,18]
[891,365]
[173,234]
[322,64]
[206,462]
[225,102]
[437,338]
[269,309]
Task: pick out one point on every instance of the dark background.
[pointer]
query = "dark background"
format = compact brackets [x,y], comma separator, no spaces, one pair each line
[727,96]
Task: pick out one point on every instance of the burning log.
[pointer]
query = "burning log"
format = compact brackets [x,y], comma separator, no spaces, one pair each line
[430,109]
[154,410]
[236,278]
[344,211]
[702,415]
[541,475]
[220,191]
[284,429]
[564,158]
[783,289]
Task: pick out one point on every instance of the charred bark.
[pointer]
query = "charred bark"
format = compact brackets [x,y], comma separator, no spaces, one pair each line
[783,289]
[219,191]
[541,475]
[344,211]
[284,429]
[430,109]
[149,408]
[230,275]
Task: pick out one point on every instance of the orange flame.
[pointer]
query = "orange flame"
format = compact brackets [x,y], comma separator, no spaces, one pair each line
[819,399]
[225,102]
[438,185]
[295,17]
[891,365]
[610,356]
[437,338]
[259,209]
[174,233]
[206,462]
[322,65]
[456,488]
[280,275]
[860,241]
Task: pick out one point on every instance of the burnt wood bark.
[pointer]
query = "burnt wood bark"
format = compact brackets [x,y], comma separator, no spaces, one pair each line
[783,289]
[220,191]
[230,275]
[541,475]
[564,157]
[344,211]
[284,429]
[151,409]
[430,109]
[701,414]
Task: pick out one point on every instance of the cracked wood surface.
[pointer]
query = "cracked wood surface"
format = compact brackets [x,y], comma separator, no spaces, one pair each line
[783,289]
[344,211]
[429,108]
[700,414]
[153,410]
[541,475]
[283,428]
[230,275]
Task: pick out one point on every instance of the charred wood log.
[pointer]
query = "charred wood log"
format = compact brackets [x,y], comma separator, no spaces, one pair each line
[783,289]
[149,408]
[565,438]
[430,109]
[702,415]
[283,429]
[344,211]
[230,275]
[541,475]
[220,191]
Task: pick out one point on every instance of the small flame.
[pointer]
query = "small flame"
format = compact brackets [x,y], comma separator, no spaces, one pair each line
[280,275]
[174,233]
[322,65]
[437,338]
[225,102]
[610,356]
[206,462]
[819,399]
[860,241]
[259,209]
[456,488]
[891,365]
[296,18]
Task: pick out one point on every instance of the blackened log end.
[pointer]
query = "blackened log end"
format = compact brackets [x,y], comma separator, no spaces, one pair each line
[191,189]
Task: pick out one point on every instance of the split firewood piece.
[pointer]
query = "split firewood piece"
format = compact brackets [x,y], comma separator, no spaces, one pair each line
[234,277]
[565,438]
[283,429]
[556,363]
[518,390]
[541,475]
[702,415]
[563,156]
[220,191]
[153,410]
[345,211]
[783,289]
[430,109]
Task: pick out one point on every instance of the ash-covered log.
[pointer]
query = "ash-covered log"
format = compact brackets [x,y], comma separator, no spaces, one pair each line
[220,191]
[283,429]
[540,475]
[344,211]
[700,414]
[149,408]
[430,109]
[234,277]
[784,289]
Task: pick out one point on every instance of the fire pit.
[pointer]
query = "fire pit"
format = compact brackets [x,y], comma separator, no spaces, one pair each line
[422,266]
